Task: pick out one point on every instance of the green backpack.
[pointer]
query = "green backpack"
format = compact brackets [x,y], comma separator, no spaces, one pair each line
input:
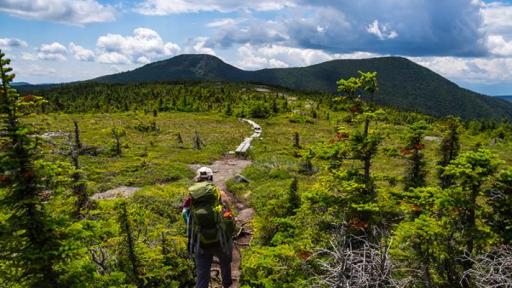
[207,227]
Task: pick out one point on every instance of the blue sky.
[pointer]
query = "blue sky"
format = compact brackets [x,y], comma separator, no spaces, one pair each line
[467,41]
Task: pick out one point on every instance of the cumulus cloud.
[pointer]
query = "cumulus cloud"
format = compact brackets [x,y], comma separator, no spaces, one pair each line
[53,52]
[28,56]
[498,27]
[145,45]
[277,56]
[250,30]
[415,28]
[113,58]
[383,32]
[77,12]
[7,43]
[166,7]
[221,22]
[499,46]
[80,53]
[37,70]
[474,70]
[496,18]
[198,45]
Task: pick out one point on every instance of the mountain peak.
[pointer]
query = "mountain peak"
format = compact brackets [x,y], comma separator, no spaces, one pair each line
[190,59]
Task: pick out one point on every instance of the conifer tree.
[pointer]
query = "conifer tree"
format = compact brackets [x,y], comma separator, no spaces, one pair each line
[229,109]
[179,140]
[293,196]
[500,200]
[296,140]
[130,264]
[275,105]
[117,133]
[449,150]
[79,187]
[197,142]
[363,143]
[415,174]
[469,171]
[28,242]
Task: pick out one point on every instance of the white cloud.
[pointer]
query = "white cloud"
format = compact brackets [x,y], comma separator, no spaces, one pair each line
[497,18]
[166,7]
[276,56]
[470,70]
[7,43]
[113,58]
[53,52]
[77,12]
[221,23]
[28,56]
[80,53]
[499,46]
[383,32]
[145,45]
[36,70]
[143,60]
[198,45]
[498,27]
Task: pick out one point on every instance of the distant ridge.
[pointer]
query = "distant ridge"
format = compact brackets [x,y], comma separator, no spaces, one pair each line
[403,84]
[505,97]
[15,84]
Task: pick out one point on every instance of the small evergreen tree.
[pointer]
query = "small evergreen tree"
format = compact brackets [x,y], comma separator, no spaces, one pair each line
[415,174]
[293,196]
[296,140]
[469,171]
[306,166]
[130,262]
[500,200]
[29,244]
[79,187]
[117,133]
[229,109]
[449,150]
[197,142]
[275,106]
[179,140]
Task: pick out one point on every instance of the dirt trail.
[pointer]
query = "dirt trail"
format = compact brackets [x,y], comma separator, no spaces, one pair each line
[223,170]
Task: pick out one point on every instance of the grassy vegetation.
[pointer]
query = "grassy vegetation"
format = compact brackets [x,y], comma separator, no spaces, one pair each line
[152,158]
[147,157]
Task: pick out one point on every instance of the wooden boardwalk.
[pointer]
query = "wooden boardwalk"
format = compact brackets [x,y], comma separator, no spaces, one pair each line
[246,144]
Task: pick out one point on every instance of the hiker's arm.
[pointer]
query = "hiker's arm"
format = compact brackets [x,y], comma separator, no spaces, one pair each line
[185,212]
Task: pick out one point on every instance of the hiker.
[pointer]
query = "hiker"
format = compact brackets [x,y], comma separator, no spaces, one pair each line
[210,227]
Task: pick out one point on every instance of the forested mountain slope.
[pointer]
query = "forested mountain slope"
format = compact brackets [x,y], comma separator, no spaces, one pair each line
[403,83]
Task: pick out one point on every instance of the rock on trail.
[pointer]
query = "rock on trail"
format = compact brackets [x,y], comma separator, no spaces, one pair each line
[119,192]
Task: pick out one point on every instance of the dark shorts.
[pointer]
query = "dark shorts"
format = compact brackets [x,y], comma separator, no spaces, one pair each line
[204,259]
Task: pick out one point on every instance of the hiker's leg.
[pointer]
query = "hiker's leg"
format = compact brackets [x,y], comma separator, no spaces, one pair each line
[203,267]
[225,268]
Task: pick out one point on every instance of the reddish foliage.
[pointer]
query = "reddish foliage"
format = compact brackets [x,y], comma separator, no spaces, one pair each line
[4,179]
[405,151]
[358,224]
[304,255]
[416,208]
[28,98]
[419,146]
[355,109]
[341,136]
[28,174]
